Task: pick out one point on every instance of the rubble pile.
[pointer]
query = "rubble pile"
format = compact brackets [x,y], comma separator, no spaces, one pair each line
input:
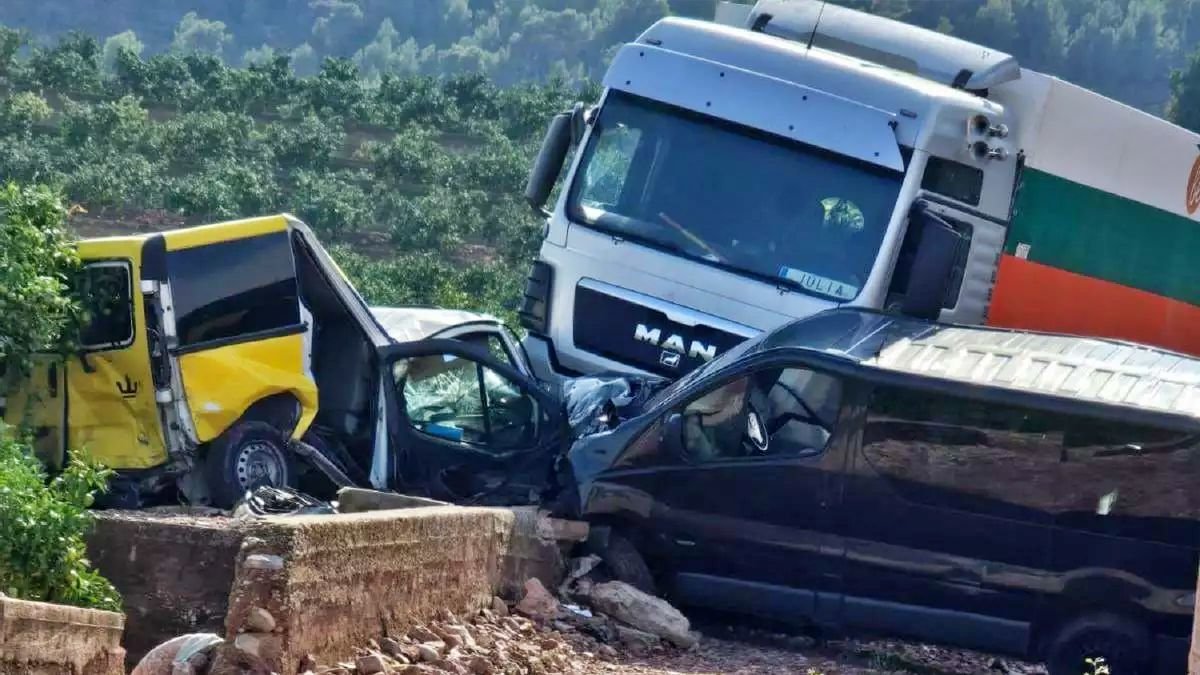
[540,634]
[593,622]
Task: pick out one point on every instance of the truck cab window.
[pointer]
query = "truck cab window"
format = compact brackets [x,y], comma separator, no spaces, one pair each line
[106,294]
[771,412]
[804,217]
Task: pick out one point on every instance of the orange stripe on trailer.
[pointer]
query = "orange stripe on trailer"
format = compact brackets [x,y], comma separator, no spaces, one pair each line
[1033,296]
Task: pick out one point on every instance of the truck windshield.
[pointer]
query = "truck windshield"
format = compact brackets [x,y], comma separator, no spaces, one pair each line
[733,197]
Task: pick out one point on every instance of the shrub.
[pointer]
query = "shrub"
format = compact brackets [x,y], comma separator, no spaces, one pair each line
[36,261]
[42,524]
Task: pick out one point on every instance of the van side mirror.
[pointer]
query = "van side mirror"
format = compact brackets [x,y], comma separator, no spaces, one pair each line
[549,162]
[932,264]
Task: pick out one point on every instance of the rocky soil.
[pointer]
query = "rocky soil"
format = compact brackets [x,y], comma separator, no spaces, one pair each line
[500,641]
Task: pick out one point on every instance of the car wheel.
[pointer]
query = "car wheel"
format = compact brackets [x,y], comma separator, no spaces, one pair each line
[1086,644]
[246,456]
[627,564]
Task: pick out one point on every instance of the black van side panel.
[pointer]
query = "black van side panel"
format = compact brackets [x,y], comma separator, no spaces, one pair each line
[1019,513]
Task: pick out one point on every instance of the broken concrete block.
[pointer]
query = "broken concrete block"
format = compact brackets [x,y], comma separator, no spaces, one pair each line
[428,652]
[499,606]
[264,646]
[538,602]
[560,529]
[371,664]
[642,611]
[259,620]
[260,561]
[636,639]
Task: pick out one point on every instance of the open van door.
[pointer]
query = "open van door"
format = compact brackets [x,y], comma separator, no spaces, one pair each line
[467,427]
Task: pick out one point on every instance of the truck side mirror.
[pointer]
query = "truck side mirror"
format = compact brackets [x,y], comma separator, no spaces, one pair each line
[550,160]
[932,265]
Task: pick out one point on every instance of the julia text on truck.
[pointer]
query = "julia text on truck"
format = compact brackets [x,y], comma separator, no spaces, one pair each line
[734,177]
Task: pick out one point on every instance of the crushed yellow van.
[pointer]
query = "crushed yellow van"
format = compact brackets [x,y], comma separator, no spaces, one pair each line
[203,359]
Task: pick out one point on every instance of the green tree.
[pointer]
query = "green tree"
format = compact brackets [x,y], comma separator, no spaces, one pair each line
[1184,108]
[197,35]
[258,56]
[72,65]
[126,41]
[305,60]
[334,204]
[22,111]
[37,260]
[387,54]
[11,41]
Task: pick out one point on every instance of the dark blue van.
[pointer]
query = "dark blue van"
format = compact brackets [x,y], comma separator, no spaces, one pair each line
[1015,492]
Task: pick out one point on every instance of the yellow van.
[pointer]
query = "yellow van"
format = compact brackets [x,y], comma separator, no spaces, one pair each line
[201,363]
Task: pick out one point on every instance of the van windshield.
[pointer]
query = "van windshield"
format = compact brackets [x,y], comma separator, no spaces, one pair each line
[733,197]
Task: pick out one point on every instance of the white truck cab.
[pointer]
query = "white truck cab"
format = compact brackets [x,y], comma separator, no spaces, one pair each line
[732,178]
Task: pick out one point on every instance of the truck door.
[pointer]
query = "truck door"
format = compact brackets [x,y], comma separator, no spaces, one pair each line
[111,407]
[37,401]
[469,428]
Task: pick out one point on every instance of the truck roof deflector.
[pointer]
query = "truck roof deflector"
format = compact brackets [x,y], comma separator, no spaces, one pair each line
[776,106]
[929,54]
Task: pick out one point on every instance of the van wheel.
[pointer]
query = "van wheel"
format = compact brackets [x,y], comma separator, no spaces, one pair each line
[246,456]
[626,564]
[1124,646]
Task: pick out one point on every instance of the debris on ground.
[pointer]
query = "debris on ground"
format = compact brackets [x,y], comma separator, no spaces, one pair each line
[184,655]
[643,612]
[273,501]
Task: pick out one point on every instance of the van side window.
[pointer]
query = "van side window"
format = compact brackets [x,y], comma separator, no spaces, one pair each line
[1085,473]
[106,294]
[960,453]
[234,288]
[777,411]
[1129,480]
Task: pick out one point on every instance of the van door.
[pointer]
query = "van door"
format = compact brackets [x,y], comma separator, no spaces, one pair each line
[239,334]
[111,410]
[469,428]
[949,512]
[748,513]
[37,401]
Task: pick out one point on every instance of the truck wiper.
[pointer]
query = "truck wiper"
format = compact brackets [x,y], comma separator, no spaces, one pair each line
[693,238]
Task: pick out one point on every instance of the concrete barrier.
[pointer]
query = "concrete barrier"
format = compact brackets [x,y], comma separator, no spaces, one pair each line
[38,638]
[328,583]
[174,572]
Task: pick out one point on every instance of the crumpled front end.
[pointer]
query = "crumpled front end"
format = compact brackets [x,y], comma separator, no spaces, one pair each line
[599,402]
[601,412]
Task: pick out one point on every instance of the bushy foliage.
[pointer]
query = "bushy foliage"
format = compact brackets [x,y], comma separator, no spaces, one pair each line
[424,169]
[42,525]
[37,261]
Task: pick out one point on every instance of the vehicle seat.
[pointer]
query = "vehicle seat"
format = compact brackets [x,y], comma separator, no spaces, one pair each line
[342,369]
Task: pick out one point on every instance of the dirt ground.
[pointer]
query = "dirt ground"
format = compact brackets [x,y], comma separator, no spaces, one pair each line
[741,654]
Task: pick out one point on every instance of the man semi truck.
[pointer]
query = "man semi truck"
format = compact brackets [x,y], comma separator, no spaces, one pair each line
[734,177]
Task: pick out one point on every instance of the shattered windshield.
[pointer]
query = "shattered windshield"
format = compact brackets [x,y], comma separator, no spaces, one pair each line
[733,197]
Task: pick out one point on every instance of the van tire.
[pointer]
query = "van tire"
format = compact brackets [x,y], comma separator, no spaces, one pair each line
[627,564]
[247,455]
[1123,643]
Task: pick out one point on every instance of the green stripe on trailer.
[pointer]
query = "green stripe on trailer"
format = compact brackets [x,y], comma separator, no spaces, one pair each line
[1098,234]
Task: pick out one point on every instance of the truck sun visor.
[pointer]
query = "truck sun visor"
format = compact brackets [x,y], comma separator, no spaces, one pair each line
[776,106]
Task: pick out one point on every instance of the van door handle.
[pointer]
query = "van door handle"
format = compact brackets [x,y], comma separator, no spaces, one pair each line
[52,380]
